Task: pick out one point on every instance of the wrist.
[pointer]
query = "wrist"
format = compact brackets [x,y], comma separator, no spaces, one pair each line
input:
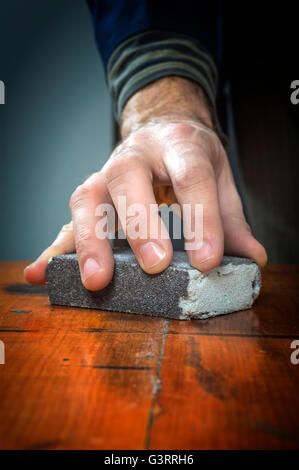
[168,97]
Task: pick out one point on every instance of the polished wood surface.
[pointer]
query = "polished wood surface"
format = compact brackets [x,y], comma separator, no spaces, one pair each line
[85,379]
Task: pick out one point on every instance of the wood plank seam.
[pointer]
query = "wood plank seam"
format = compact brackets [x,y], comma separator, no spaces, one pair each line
[156,390]
[171,332]
[233,335]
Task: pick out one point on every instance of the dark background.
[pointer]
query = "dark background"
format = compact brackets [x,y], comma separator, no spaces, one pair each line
[55,128]
[261,61]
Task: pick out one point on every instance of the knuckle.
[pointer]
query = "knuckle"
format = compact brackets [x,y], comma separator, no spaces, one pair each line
[84,235]
[114,172]
[81,193]
[217,154]
[121,165]
[65,233]
[181,130]
[137,140]
[67,228]
[194,176]
[73,198]
[198,135]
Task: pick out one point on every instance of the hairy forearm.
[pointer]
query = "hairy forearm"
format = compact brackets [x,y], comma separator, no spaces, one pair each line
[172,97]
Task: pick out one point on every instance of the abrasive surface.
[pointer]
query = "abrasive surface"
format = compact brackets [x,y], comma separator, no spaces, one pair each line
[174,293]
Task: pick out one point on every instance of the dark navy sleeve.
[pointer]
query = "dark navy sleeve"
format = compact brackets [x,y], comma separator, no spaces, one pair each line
[116,20]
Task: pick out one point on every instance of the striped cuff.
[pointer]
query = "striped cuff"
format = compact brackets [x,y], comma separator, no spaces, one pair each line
[150,55]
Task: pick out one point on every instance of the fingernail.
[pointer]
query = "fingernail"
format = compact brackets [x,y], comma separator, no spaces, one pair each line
[91,267]
[151,254]
[203,254]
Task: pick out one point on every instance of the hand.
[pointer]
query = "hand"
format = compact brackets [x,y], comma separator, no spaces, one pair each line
[169,152]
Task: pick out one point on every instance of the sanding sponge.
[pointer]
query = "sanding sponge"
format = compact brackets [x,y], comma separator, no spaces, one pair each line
[179,292]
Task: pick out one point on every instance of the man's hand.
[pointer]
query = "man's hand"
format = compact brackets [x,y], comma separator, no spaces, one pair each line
[169,153]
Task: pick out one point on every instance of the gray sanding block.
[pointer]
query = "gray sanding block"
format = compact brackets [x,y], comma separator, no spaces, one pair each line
[179,292]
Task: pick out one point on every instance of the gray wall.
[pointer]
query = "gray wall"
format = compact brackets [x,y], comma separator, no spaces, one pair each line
[55,126]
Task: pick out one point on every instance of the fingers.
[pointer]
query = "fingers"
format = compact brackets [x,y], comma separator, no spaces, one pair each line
[239,240]
[193,179]
[93,248]
[94,255]
[130,185]
[199,172]
[35,273]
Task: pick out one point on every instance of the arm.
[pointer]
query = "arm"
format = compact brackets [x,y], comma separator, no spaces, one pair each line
[170,145]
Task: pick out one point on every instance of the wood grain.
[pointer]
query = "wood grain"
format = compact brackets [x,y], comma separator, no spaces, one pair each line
[83,379]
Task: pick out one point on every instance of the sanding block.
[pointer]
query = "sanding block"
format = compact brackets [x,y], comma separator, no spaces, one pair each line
[181,291]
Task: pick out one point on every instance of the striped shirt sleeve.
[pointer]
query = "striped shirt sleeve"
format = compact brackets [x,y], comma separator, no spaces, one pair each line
[150,55]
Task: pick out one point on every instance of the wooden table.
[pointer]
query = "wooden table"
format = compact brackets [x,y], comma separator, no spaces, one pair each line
[83,379]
